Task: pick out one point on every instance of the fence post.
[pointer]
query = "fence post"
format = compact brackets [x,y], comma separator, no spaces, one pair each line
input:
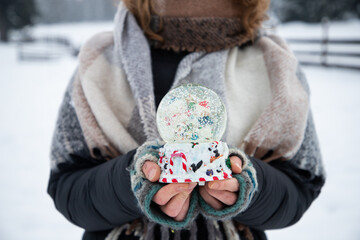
[325,40]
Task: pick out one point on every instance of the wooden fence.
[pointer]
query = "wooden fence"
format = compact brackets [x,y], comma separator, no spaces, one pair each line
[324,53]
[45,48]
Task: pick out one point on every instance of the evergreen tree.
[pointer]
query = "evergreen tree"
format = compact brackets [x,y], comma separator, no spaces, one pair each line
[314,11]
[15,14]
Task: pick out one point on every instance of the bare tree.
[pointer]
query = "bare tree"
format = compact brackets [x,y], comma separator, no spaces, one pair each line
[15,14]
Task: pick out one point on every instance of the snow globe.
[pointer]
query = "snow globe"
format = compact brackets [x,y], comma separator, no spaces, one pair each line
[191,120]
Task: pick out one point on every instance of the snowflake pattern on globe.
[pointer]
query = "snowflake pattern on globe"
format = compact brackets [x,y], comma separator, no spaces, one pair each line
[191,119]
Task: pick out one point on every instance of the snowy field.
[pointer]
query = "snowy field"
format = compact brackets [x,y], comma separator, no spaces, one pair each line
[30,95]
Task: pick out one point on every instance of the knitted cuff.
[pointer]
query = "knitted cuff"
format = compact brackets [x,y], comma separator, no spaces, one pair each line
[248,185]
[149,151]
[144,190]
[243,157]
[154,213]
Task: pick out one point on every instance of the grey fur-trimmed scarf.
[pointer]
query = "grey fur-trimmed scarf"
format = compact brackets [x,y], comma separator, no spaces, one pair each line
[112,95]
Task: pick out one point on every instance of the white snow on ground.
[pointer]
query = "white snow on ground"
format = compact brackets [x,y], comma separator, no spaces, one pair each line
[335,103]
[30,96]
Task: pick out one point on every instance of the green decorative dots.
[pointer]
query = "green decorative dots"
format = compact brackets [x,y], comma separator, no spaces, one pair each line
[228,163]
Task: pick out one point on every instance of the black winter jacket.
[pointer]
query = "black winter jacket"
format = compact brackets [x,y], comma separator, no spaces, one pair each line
[97,196]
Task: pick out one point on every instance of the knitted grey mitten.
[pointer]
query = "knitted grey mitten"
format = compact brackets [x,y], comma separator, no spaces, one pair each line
[248,185]
[144,190]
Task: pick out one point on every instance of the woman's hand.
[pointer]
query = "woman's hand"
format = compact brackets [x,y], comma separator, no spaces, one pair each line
[220,193]
[174,198]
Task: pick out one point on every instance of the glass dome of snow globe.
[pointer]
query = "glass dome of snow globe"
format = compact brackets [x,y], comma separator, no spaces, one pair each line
[191,113]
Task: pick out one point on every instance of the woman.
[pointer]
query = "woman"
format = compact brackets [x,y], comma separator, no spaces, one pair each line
[105,145]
